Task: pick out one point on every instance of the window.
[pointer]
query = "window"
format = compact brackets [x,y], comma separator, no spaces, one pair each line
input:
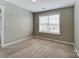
[50,24]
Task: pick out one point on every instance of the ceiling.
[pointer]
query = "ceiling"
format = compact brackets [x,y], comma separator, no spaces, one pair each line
[42,5]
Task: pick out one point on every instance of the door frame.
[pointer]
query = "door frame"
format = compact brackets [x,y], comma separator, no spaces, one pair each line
[2,33]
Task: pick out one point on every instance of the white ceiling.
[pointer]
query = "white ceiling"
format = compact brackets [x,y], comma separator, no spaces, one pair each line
[40,4]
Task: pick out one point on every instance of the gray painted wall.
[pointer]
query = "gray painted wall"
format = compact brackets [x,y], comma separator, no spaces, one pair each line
[20,23]
[0,25]
[66,24]
[77,25]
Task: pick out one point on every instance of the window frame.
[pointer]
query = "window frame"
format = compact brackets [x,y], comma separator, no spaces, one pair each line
[51,32]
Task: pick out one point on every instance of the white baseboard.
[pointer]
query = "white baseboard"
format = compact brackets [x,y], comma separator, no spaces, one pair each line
[55,40]
[16,41]
[36,36]
[76,51]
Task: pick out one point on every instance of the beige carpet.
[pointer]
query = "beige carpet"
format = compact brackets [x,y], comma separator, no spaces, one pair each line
[38,48]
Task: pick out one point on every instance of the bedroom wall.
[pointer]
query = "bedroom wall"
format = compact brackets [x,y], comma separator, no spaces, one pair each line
[66,24]
[76,26]
[18,22]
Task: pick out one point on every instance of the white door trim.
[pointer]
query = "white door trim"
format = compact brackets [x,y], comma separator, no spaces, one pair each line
[2,35]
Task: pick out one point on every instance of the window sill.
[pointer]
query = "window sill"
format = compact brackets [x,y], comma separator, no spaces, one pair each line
[50,33]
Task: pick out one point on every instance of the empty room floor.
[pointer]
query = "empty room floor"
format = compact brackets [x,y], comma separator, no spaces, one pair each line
[40,48]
